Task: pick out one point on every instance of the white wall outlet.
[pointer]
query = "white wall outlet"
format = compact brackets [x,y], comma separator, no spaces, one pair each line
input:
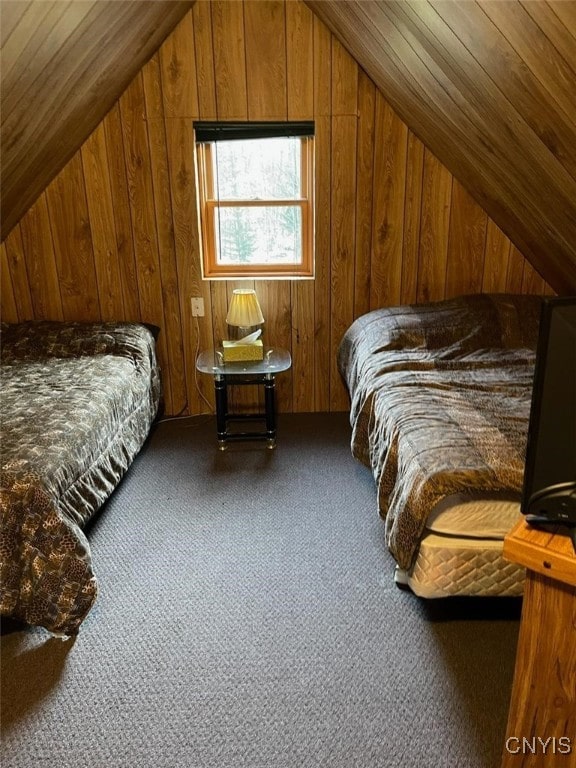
[197,307]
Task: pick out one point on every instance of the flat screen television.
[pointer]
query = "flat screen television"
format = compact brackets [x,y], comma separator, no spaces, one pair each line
[549,490]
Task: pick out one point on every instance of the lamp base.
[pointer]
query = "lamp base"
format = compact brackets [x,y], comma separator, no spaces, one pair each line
[237,332]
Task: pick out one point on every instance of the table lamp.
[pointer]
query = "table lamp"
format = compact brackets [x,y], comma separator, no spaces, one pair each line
[244,314]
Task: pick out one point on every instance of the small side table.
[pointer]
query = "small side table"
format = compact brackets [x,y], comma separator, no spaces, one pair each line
[246,372]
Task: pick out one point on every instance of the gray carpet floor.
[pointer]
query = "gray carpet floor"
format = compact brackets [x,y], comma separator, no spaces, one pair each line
[247,616]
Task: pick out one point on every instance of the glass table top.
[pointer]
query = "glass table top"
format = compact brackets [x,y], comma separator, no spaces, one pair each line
[275,361]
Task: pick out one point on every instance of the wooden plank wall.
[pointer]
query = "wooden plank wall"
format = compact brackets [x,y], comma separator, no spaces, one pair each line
[115,235]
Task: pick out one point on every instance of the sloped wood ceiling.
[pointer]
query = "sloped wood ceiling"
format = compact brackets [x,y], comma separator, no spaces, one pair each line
[490,87]
[115,235]
[64,64]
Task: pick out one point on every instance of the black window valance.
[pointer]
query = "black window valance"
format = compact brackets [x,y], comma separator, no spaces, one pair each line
[228,131]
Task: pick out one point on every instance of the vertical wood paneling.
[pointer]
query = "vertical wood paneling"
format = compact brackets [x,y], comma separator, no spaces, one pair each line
[265,30]
[302,302]
[364,186]
[322,70]
[16,262]
[344,81]
[299,61]
[274,297]
[41,262]
[300,103]
[122,216]
[322,287]
[219,302]
[72,239]
[202,21]
[101,216]
[178,63]
[229,59]
[120,234]
[180,145]
[141,197]
[532,282]
[434,229]
[175,380]
[342,243]
[388,206]
[515,272]
[496,259]
[467,243]
[412,215]
[9,310]
[322,283]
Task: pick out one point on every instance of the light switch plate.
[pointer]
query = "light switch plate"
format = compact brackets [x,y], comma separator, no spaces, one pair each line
[197,307]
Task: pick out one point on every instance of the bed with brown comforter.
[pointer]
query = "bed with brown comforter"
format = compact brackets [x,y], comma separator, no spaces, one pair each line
[78,401]
[440,401]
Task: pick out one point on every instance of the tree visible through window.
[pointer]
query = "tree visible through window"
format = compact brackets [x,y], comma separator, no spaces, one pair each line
[256,200]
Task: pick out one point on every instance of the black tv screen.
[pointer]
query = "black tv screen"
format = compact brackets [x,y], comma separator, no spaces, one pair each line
[549,490]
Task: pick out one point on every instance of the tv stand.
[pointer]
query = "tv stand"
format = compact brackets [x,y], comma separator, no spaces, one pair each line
[545,524]
[543,702]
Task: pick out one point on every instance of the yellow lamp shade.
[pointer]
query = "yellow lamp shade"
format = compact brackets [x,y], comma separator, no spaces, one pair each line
[244,309]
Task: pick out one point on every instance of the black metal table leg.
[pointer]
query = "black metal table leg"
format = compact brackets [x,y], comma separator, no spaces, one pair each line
[270,409]
[221,410]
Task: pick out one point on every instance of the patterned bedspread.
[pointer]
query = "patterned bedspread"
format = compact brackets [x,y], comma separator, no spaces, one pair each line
[78,401]
[440,402]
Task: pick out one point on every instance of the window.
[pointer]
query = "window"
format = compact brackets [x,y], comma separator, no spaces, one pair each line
[256,198]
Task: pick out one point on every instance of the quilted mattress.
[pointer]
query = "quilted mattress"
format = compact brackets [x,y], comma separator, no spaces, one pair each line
[461,551]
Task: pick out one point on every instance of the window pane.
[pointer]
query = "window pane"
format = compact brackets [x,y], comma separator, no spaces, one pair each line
[265,169]
[258,235]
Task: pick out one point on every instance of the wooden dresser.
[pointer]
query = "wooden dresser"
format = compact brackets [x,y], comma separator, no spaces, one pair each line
[541,730]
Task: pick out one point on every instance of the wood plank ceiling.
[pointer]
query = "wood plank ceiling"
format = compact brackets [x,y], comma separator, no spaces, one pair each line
[490,87]
[64,64]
